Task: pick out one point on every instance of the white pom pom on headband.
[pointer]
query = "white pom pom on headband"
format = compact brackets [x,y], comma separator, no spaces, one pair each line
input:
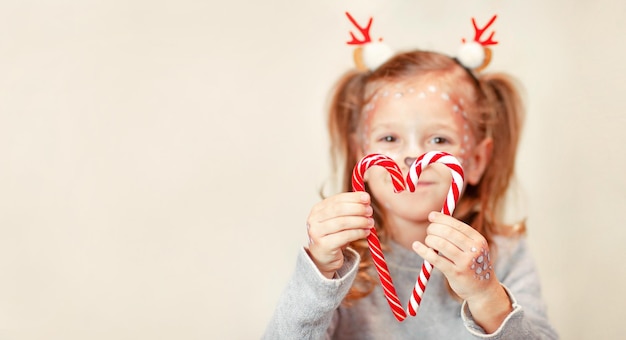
[475,54]
[368,55]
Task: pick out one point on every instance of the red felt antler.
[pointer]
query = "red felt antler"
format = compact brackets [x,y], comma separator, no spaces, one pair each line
[365,31]
[480,31]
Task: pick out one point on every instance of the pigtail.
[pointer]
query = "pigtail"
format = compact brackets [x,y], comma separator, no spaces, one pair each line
[504,126]
[345,106]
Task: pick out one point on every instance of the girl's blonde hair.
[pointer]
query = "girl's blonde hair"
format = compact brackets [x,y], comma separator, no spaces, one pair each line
[495,111]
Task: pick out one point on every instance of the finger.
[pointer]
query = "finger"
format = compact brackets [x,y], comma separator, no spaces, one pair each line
[344,197]
[342,209]
[341,239]
[355,204]
[440,218]
[339,224]
[444,248]
[452,235]
[430,255]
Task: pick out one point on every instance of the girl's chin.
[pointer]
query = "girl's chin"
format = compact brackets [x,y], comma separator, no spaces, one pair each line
[414,212]
[421,196]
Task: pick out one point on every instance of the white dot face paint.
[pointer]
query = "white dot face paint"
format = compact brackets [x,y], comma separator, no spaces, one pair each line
[407,121]
[427,94]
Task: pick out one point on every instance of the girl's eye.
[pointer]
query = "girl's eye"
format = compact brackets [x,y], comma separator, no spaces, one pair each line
[438,140]
[388,139]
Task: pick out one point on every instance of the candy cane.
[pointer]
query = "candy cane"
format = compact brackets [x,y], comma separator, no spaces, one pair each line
[358,184]
[373,241]
[448,208]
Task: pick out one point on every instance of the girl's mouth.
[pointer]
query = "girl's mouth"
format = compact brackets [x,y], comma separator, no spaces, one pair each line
[424,183]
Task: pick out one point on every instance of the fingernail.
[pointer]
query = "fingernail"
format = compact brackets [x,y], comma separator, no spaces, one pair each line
[365,197]
[370,222]
[417,246]
[369,211]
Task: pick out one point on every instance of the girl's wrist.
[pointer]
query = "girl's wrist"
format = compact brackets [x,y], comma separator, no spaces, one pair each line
[485,296]
[490,308]
[327,274]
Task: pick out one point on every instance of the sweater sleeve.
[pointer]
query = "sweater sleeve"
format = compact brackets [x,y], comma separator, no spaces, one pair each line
[518,275]
[306,306]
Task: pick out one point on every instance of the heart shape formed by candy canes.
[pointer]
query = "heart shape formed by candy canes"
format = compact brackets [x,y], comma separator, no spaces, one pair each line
[358,184]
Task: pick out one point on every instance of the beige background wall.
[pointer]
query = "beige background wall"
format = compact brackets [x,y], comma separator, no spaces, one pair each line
[158,159]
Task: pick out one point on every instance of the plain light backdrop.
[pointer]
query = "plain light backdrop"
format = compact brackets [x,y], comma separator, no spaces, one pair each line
[158,159]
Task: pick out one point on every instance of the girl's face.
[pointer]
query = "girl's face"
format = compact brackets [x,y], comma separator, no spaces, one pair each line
[406,121]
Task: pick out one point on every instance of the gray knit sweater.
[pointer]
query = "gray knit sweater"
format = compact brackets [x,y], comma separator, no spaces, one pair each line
[310,306]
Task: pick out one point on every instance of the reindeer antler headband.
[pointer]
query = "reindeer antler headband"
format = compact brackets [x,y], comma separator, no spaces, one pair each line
[368,55]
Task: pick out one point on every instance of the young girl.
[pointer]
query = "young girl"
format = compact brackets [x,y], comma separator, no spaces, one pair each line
[484,283]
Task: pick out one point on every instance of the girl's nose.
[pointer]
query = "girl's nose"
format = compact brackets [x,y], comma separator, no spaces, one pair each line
[409,161]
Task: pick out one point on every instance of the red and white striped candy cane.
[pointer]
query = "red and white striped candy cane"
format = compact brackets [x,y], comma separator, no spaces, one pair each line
[358,184]
[448,208]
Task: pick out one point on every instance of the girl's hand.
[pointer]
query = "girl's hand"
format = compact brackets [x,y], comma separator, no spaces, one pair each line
[335,222]
[464,258]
